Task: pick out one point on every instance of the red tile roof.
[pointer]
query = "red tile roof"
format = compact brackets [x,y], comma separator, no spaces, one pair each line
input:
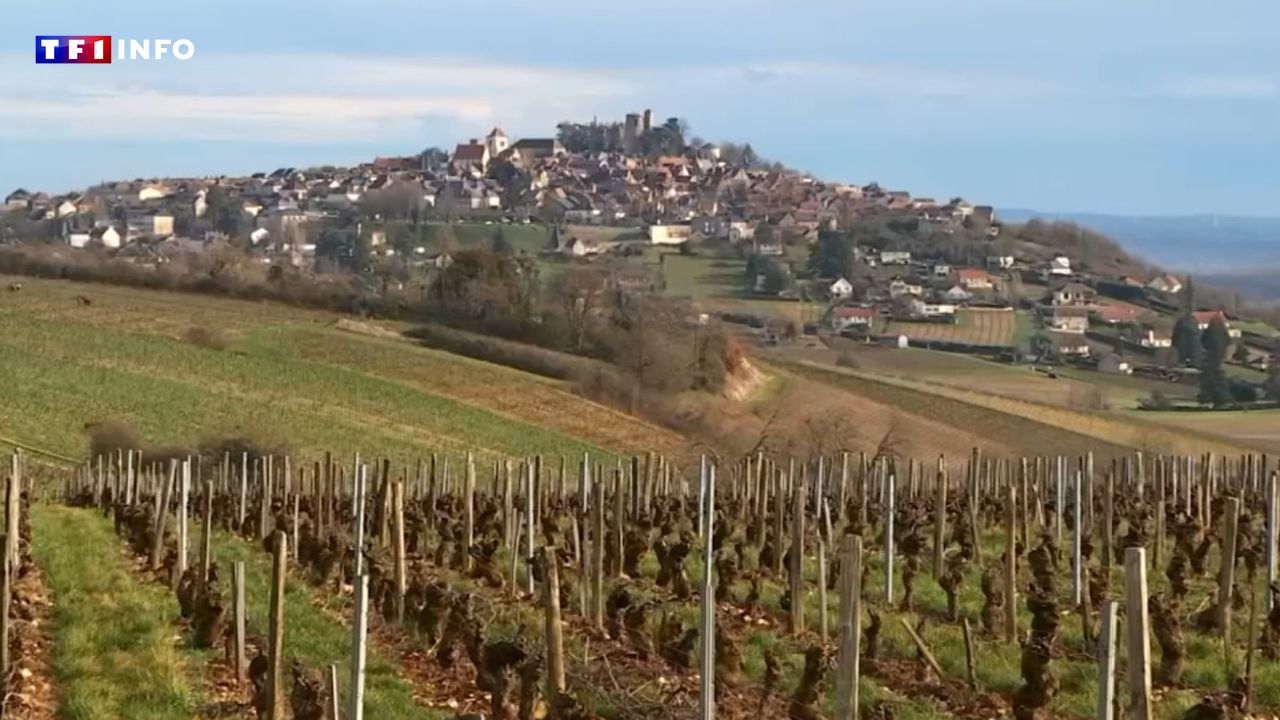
[469,151]
[855,312]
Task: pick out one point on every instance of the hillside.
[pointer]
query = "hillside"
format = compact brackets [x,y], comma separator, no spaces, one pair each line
[288,377]
[1214,243]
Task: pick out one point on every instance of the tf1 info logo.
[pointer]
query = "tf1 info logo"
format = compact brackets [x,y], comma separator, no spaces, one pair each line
[96,49]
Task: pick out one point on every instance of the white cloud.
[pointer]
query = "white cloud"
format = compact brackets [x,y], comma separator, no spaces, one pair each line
[314,97]
[289,98]
[1234,86]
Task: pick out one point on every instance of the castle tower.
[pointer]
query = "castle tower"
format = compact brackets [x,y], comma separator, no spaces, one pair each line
[631,133]
[648,122]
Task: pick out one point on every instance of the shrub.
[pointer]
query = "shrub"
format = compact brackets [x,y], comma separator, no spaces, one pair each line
[205,337]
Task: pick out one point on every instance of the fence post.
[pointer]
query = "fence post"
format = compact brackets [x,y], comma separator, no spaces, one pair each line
[1138,631]
[1107,663]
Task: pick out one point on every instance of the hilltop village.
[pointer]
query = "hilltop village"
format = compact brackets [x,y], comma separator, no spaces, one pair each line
[651,208]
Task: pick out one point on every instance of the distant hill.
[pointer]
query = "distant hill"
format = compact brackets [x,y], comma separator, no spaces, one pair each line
[1224,244]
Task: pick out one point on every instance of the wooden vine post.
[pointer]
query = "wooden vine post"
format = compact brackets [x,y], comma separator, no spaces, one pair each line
[1227,573]
[1011,565]
[554,630]
[846,700]
[707,621]
[469,510]
[1107,663]
[597,556]
[1137,623]
[359,648]
[402,574]
[238,620]
[940,520]
[275,637]
[797,558]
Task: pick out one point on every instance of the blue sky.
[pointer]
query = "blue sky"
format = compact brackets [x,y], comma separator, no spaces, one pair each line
[1133,107]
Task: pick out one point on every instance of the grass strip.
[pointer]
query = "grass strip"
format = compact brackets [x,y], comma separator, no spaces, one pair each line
[116,653]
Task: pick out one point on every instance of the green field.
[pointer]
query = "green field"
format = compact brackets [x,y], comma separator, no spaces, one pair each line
[115,652]
[714,279]
[289,378]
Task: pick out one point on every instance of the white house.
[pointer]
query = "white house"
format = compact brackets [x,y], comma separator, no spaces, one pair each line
[957,295]
[1073,293]
[1060,265]
[937,309]
[669,234]
[1070,344]
[740,231]
[1067,319]
[840,289]
[895,257]
[899,287]
[152,192]
[1000,262]
[1165,284]
[107,236]
[1155,340]
[79,238]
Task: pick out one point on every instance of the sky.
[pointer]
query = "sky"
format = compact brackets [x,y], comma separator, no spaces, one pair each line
[1135,107]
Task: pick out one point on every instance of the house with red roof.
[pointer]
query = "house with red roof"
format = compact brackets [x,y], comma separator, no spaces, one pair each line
[844,317]
[973,278]
[1204,318]
[1115,314]
[474,154]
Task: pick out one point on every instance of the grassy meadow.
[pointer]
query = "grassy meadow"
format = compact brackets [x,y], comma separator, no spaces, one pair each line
[287,377]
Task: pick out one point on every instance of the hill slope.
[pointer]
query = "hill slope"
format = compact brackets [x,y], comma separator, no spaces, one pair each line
[289,377]
[1191,242]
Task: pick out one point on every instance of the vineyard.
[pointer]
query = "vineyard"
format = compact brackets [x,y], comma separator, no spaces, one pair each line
[845,586]
[974,326]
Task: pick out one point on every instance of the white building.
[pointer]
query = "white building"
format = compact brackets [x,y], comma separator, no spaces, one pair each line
[669,234]
[841,289]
